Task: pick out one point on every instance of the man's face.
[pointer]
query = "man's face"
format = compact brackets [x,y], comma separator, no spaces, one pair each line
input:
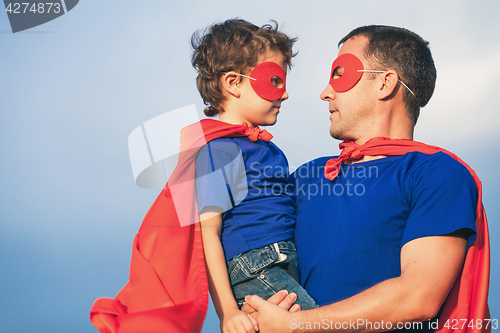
[351,109]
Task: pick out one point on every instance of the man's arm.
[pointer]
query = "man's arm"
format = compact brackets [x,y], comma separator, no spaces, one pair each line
[429,268]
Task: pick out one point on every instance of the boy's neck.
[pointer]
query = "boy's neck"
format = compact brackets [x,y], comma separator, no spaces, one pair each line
[234,119]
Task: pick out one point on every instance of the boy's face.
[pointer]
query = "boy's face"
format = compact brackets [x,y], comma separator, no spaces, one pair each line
[260,99]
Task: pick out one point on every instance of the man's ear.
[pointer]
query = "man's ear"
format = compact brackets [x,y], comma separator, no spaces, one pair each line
[230,83]
[388,84]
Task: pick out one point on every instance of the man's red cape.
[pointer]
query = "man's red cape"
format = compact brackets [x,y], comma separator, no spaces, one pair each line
[467,304]
[168,289]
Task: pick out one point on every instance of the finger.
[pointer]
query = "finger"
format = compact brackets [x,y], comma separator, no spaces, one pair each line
[288,301]
[254,323]
[278,297]
[248,325]
[247,308]
[240,328]
[295,308]
[255,301]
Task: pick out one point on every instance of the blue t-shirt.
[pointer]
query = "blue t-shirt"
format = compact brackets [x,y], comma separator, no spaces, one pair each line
[350,231]
[248,183]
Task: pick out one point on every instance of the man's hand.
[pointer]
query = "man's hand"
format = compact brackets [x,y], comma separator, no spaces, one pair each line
[282,298]
[271,317]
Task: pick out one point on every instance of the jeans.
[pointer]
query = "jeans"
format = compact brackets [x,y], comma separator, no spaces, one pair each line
[267,270]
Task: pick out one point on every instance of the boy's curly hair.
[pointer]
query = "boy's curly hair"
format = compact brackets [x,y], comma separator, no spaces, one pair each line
[234,45]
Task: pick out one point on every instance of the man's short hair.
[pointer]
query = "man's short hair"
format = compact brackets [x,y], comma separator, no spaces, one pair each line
[408,54]
[234,45]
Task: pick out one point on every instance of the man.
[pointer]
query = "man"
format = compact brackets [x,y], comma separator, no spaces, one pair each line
[382,232]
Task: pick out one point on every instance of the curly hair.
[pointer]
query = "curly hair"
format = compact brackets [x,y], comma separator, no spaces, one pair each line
[234,45]
[408,54]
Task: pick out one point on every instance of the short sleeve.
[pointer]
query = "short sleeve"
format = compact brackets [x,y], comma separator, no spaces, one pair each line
[442,196]
[216,173]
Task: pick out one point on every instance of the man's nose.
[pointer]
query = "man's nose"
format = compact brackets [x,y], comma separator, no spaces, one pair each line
[328,93]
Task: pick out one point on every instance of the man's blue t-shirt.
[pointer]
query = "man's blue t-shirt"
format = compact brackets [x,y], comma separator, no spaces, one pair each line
[350,231]
[248,183]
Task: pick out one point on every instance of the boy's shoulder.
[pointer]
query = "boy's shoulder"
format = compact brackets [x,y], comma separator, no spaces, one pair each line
[221,148]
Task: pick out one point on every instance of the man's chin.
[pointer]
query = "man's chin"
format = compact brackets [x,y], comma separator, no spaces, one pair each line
[336,135]
[340,136]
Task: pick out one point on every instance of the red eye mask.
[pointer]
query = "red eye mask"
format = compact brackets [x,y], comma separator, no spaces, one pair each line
[268,80]
[351,75]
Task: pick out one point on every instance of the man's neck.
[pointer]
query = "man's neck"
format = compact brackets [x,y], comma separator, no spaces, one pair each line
[388,121]
[401,133]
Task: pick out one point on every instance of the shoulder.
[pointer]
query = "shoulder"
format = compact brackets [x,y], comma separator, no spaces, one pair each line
[317,161]
[438,163]
[437,176]
[228,147]
[312,168]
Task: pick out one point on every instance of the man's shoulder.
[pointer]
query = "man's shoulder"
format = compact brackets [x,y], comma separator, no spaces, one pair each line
[313,167]
[317,161]
[437,162]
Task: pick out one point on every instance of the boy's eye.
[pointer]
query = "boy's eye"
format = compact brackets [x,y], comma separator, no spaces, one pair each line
[277,82]
[337,72]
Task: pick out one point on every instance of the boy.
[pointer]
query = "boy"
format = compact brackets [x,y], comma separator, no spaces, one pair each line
[246,209]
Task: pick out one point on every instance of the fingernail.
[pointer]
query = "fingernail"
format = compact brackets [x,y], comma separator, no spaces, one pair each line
[246,298]
[285,292]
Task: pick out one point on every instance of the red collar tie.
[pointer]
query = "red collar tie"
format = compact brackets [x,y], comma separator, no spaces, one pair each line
[350,152]
[255,133]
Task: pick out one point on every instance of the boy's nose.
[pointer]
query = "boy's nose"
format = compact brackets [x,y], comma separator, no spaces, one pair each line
[284,97]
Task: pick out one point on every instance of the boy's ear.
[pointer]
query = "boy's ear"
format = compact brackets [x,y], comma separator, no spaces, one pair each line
[388,84]
[230,82]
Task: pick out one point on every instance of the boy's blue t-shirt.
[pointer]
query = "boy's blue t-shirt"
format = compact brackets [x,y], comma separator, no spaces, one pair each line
[248,183]
[350,231]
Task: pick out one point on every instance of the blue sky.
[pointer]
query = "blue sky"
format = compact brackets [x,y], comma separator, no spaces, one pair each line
[74,88]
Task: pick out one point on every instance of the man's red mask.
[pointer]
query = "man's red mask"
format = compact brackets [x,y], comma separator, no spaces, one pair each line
[346,72]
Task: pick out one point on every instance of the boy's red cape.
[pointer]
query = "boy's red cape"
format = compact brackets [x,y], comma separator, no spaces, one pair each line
[168,289]
[466,307]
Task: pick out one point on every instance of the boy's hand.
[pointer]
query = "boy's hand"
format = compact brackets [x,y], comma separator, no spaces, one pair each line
[237,321]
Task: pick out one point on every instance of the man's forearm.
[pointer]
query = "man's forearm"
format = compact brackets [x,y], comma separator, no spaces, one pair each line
[415,296]
[380,308]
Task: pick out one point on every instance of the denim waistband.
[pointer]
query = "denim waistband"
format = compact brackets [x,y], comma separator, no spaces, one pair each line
[283,245]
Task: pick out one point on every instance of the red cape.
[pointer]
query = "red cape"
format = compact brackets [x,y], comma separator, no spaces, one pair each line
[467,302]
[168,289]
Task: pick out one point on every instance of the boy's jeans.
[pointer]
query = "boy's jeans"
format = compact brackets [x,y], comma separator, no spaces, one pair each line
[267,270]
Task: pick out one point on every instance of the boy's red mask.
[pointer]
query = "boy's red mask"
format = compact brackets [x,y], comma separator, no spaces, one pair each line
[351,75]
[268,80]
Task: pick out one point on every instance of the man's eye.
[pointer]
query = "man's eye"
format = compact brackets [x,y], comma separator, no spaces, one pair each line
[337,72]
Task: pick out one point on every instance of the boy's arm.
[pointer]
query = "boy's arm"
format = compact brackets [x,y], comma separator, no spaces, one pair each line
[218,279]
